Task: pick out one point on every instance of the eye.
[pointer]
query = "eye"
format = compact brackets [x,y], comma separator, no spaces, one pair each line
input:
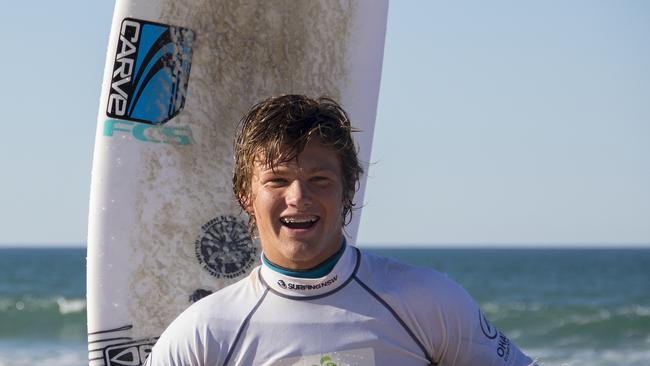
[321,179]
[276,182]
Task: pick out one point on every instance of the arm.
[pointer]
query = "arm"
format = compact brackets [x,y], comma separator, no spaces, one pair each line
[176,347]
[470,339]
[187,341]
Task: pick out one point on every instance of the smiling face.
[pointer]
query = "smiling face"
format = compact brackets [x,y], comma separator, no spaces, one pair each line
[298,207]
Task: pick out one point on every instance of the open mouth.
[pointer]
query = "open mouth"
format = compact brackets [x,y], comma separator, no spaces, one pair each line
[299,222]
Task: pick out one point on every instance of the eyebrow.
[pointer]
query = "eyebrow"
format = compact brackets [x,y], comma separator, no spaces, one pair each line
[282,168]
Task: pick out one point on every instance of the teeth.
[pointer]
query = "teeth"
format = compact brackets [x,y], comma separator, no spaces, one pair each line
[295,220]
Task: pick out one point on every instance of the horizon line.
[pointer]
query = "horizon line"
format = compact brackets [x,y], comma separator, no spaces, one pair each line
[464,245]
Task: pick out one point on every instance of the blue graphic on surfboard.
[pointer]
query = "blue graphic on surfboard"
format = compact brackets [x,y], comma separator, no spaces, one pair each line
[150,72]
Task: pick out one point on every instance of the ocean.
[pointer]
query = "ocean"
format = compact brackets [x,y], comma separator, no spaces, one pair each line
[564,307]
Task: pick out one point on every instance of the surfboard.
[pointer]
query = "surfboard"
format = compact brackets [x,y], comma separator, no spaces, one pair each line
[164,228]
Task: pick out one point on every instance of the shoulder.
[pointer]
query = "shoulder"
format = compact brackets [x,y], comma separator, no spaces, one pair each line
[202,333]
[433,306]
[232,300]
[430,303]
[440,313]
[422,295]
[425,284]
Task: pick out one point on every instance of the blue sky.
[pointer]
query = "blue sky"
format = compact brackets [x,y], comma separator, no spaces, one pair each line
[514,123]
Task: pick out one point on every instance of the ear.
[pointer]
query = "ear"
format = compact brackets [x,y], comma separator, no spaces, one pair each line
[245,203]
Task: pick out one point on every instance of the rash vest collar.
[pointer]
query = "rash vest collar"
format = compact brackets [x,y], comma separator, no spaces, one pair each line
[290,286]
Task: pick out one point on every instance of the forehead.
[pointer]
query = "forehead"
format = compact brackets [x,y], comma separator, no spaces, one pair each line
[315,156]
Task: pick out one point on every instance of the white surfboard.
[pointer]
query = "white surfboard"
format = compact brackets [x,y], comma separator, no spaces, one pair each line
[164,227]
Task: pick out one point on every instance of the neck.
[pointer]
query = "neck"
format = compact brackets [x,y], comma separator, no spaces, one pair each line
[317,271]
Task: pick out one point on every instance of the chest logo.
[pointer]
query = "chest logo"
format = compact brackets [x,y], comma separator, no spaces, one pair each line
[358,357]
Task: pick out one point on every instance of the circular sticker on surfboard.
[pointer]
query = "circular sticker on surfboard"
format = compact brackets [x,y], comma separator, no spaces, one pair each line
[225,248]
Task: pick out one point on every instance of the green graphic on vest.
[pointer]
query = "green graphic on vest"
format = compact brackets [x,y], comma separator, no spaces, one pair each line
[326,361]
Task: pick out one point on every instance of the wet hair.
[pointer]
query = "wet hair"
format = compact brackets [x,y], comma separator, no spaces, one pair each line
[278,129]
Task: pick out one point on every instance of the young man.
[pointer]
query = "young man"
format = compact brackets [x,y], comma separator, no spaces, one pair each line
[316,300]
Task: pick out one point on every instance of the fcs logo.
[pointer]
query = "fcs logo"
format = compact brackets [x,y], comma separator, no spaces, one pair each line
[150,72]
[282,284]
[149,133]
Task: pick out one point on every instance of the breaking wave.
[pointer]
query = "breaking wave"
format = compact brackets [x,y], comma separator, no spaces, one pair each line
[33,317]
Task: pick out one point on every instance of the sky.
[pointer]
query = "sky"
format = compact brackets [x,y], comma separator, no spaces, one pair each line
[516,123]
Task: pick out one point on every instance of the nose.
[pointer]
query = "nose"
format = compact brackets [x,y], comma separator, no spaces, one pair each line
[298,195]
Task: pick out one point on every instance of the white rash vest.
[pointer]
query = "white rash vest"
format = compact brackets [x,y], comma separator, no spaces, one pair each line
[368,310]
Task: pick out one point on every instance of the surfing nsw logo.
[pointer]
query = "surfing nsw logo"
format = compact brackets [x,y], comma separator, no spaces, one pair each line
[151,72]
[300,287]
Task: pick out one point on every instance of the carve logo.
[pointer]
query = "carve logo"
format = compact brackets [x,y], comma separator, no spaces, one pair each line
[151,72]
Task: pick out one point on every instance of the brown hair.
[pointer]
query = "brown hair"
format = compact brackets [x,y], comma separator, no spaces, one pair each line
[278,129]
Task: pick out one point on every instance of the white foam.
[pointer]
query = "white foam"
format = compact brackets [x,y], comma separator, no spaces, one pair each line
[600,357]
[637,310]
[494,308]
[581,319]
[67,306]
[32,304]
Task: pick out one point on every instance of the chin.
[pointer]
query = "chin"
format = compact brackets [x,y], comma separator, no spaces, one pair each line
[301,253]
